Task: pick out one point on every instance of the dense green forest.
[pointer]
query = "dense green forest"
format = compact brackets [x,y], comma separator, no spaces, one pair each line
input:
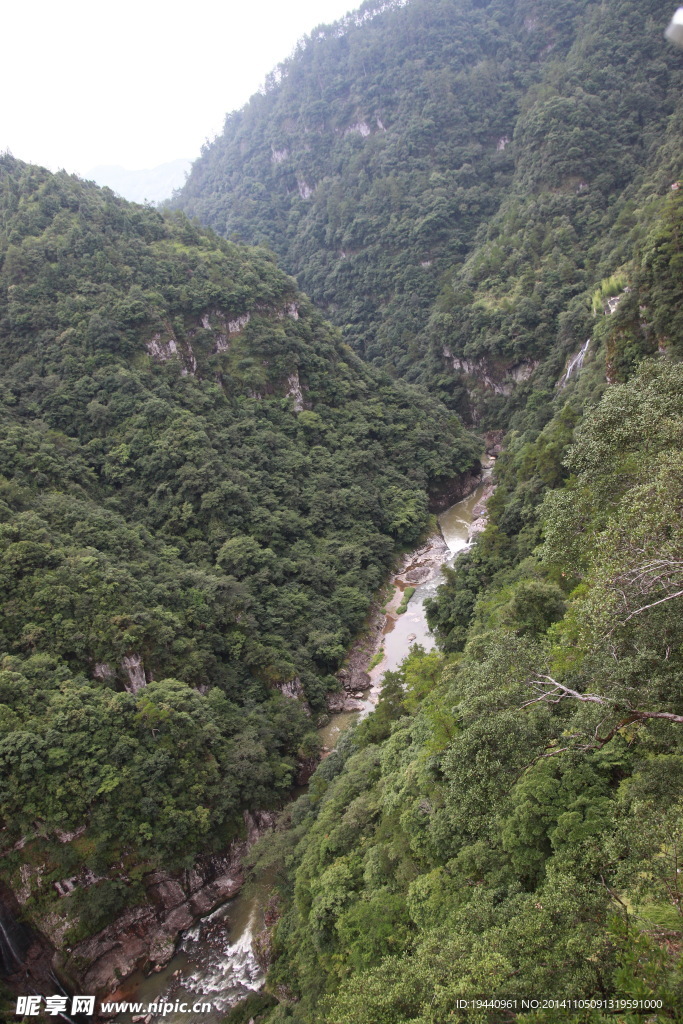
[203,485]
[445,176]
[507,824]
[201,489]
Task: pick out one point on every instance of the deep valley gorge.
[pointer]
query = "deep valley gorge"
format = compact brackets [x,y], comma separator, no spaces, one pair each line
[341,542]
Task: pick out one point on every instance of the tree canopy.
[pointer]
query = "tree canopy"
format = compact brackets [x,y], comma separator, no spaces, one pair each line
[201,489]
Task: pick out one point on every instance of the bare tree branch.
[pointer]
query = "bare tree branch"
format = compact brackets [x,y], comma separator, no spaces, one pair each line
[616,897]
[559,692]
[669,597]
[640,582]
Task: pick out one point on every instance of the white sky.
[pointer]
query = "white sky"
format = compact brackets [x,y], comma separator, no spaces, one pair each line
[137,82]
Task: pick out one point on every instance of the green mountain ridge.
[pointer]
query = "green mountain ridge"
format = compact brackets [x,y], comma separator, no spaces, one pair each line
[446,177]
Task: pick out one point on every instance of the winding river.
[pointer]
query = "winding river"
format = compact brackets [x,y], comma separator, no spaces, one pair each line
[215,962]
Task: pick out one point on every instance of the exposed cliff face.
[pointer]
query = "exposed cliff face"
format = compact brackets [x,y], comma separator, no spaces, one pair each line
[135,670]
[143,937]
[227,334]
[498,376]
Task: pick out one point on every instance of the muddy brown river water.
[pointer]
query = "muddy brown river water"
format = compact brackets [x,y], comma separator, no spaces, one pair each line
[215,962]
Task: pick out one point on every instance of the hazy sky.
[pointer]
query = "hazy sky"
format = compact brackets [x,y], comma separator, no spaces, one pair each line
[137,82]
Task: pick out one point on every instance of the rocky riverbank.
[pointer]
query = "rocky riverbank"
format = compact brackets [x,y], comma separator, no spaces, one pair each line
[360,681]
[479,512]
[416,567]
[144,937]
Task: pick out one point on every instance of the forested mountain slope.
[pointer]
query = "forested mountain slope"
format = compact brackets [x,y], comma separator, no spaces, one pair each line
[444,176]
[507,825]
[201,489]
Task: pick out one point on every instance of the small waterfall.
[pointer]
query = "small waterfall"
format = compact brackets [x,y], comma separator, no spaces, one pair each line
[215,961]
[575,364]
[59,988]
[25,962]
[10,956]
[15,939]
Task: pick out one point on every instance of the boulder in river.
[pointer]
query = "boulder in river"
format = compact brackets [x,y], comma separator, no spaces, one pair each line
[338,702]
[419,575]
